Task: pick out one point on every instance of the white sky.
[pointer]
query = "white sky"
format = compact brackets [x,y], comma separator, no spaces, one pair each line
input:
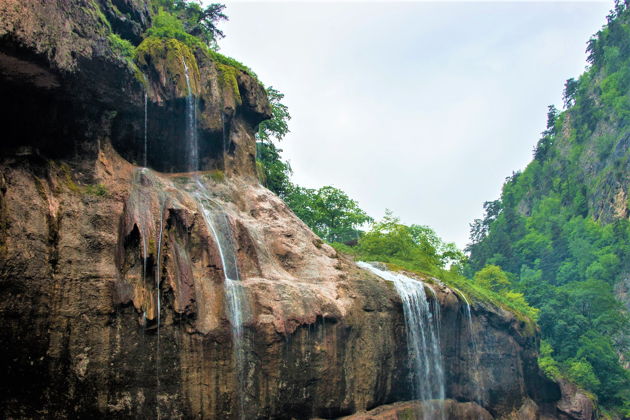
[420,107]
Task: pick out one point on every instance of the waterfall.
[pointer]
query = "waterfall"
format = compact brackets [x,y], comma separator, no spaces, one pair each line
[218,225]
[192,152]
[474,356]
[423,346]
[145,128]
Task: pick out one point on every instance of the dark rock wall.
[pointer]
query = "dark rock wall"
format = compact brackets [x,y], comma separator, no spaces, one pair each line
[61,80]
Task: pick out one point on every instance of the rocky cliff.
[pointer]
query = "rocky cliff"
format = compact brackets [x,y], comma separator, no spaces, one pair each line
[114,277]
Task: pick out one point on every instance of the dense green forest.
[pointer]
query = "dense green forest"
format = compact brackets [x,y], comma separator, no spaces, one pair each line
[560,229]
[553,247]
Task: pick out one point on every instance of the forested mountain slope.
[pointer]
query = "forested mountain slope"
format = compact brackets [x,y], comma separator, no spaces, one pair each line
[561,230]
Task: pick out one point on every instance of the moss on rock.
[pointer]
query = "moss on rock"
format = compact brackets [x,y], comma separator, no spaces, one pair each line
[94,10]
[227,80]
[169,58]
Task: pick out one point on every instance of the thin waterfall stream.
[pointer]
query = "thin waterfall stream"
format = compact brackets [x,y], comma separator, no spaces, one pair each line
[145,127]
[423,344]
[474,355]
[219,226]
[192,147]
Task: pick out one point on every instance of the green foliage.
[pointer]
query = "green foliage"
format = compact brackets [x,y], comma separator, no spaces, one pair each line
[169,55]
[168,26]
[93,9]
[418,246]
[227,80]
[509,301]
[278,126]
[552,230]
[121,46]
[194,27]
[598,350]
[195,20]
[418,249]
[328,211]
[273,172]
[98,190]
[581,372]
[229,61]
[492,277]
[546,361]
[216,175]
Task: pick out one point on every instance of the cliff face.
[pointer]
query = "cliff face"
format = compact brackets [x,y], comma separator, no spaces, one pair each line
[322,337]
[115,279]
[61,67]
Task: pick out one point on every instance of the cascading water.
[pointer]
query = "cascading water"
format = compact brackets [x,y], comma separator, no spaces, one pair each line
[474,355]
[218,224]
[192,147]
[145,128]
[423,344]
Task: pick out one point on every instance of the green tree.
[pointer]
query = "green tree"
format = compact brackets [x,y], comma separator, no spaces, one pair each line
[414,246]
[598,350]
[329,212]
[390,238]
[196,20]
[278,126]
[492,277]
[582,373]
[546,361]
[274,172]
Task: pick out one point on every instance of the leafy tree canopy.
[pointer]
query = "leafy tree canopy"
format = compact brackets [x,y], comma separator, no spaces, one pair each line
[194,19]
[329,212]
[550,233]
[278,126]
[492,277]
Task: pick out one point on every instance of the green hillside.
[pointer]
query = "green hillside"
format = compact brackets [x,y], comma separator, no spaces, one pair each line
[561,230]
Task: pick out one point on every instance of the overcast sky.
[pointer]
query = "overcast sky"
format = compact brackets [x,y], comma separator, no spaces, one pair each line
[420,107]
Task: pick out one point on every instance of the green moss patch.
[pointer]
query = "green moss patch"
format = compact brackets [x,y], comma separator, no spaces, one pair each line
[167,57]
[227,80]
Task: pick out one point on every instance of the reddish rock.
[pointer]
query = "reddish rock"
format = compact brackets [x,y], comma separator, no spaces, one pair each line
[448,410]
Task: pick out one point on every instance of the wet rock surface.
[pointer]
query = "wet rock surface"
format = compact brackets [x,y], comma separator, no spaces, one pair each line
[323,338]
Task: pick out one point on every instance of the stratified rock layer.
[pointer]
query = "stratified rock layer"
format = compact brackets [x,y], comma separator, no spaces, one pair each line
[322,337]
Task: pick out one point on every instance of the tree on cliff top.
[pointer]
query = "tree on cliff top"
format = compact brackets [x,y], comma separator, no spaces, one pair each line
[328,211]
[273,172]
[390,240]
[278,126]
[197,21]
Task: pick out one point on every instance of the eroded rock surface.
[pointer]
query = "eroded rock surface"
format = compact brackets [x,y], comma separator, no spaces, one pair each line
[449,409]
[322,337]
